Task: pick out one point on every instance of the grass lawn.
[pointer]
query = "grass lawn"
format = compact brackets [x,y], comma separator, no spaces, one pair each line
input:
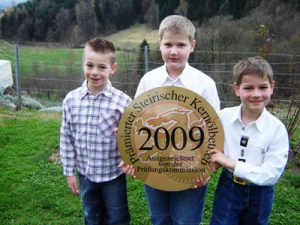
[46,61]
[133,36]
[34,191]
[58,60]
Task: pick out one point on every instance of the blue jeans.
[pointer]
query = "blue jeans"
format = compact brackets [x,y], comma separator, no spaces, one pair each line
[235,204]
[104,203]
[175,208]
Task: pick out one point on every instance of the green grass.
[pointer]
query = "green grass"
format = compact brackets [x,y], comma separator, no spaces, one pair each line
[134,35]
[34,191]
[33,60]
[46,62]
[55,60]
[32,188]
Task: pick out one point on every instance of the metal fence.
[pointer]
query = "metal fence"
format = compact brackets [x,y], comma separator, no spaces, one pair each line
[48,74]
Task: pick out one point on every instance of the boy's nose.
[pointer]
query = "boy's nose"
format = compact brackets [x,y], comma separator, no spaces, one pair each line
[94,71]
[256,92]
[173,50]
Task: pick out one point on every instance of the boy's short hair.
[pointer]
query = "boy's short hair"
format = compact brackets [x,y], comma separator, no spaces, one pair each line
[256,65]
[177,24]
[101,45]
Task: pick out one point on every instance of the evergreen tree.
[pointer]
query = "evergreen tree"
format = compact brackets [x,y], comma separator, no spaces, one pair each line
[236,8]
[166,7]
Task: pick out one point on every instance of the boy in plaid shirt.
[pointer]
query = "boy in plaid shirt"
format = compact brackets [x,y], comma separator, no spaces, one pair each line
[88,145]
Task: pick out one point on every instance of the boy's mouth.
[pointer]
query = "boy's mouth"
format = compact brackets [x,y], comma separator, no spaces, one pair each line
[95,78]
[173,59]
[257,102]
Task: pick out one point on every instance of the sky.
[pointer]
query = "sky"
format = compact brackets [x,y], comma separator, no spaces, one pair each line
[8,3]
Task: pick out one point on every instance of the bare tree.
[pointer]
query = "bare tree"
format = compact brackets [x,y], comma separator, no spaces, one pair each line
[64,24]
[86,19]
[152,14]
[182,8]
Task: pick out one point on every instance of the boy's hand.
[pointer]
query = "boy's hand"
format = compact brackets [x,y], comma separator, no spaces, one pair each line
[128,169]
[216,167]
[201,182]
[222,159]
[73,184]
[115,130]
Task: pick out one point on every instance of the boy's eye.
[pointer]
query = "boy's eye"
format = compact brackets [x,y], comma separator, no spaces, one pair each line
[102,67]
[264,87]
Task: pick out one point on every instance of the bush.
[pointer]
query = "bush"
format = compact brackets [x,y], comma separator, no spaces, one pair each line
[31,103]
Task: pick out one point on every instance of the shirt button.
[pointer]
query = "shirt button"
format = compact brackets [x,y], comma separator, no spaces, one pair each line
[243,128]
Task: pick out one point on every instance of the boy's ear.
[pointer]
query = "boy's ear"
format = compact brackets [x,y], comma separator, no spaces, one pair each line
[193,43]
[272,85]
[113,68]
[236,89]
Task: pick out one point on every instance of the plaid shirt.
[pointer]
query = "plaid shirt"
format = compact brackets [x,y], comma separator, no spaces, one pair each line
[87,138]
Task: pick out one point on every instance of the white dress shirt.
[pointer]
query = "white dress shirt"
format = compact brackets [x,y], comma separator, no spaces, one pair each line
[190,78]
[266,150]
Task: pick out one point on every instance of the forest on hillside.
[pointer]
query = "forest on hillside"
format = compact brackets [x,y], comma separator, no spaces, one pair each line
[222,22]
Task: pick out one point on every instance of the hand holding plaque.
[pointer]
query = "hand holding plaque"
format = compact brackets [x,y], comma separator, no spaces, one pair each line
[166,134]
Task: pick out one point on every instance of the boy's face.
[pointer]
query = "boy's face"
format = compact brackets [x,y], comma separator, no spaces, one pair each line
[175,50]
[255,92]
[97,67]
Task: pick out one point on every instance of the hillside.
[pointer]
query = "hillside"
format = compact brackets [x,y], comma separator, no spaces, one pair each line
[75,21]
[262,26]
[134,35]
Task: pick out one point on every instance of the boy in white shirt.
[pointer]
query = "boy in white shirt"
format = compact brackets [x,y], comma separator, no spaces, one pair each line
[176,44]
[255,150]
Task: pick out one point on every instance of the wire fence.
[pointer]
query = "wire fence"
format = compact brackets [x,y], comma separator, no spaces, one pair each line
[49,73]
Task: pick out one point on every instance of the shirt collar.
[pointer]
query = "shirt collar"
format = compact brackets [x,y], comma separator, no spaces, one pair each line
[107,91]
[259,123]
[183,77]
[260,120]
[236,116]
